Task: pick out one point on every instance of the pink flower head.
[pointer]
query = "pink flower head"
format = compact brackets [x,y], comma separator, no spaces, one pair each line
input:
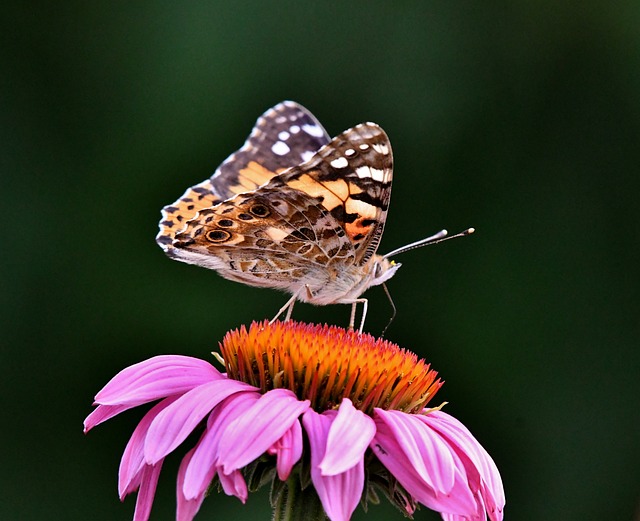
[358,401]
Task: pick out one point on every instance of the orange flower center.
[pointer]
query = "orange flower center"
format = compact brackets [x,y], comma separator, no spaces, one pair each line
[325,364]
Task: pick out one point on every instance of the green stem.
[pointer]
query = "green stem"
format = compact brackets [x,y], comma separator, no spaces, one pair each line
[295,504]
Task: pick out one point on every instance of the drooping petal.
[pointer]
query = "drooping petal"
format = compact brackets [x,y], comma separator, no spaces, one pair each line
[288,450]
[234,485]
[177,421]
[391,454]
[102,413]
[428,454]
[155,378]
[147,491]
[348,439]
[132,461]
[186,508]
[249,436]
[202,467]
[481,469]
[339,493]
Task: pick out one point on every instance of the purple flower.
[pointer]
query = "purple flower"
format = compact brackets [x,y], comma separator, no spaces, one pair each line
[358,401]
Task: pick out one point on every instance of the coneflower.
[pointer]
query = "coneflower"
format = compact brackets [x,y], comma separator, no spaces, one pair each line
[327,416]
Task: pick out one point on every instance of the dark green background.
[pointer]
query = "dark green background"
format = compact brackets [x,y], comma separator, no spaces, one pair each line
[521,119]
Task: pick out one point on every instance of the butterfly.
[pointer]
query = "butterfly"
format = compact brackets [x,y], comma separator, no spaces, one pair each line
[293,210]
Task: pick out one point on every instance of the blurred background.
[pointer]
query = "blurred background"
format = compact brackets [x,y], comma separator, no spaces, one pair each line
[520,119]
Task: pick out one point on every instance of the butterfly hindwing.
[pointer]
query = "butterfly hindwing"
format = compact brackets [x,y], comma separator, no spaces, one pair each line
[265,238]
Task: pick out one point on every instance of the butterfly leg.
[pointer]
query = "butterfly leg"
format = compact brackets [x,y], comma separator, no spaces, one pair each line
[354,305]
[288,307]
[352,319]
[290,310]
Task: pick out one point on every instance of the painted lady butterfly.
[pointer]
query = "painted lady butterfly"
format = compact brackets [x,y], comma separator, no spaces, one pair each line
[293,210]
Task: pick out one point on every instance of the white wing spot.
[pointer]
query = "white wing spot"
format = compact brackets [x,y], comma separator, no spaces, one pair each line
[281,119]
[349,152]
[313,130]
[340,162]
[378,175]
[363,172]
[280,148]
[294,129]
[306,155]
[284,135]
[364,146]
[381,149]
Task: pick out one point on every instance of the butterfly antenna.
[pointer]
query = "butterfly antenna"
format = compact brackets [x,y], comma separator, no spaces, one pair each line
[434,239]
[393,306]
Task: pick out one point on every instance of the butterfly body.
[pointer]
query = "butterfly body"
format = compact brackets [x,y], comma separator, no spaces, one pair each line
[292,210]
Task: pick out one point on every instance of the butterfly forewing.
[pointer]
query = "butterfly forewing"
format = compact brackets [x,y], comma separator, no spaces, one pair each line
[283,136]
[350,178]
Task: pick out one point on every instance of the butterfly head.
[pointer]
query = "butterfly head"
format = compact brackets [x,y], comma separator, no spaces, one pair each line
[382,269]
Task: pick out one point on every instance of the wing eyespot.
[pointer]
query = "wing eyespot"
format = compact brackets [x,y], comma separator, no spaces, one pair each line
[225,223]
[218,236]
[260,210]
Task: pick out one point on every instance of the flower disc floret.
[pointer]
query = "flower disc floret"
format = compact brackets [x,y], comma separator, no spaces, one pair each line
[325,364]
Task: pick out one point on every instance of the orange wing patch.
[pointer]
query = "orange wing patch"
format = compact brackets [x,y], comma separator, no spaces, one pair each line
[334,193]
[338,194]
[251,177]
[362,226]
[176,215]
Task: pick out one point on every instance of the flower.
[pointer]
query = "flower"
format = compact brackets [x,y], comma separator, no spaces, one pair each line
[359,402]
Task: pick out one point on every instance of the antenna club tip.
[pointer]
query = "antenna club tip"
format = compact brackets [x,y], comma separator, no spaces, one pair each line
[470,231]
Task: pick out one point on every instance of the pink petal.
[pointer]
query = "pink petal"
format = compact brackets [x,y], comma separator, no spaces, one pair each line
[481,468]
[339,493]
[202,468]
[102,413]
[177,421]
[250,435]
[288,450]
[155,378]
[186,508]
[349,436]
[132,461]
[429,456]
[234,485]
[391,454]
[147,492]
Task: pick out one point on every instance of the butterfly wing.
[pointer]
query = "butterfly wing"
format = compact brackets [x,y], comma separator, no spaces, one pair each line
[284,136]
[268,238]
[309,223]
[350,178]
